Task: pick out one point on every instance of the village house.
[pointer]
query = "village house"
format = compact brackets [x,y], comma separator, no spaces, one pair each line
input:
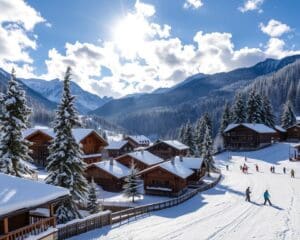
[141,159]
[118,148]
[293,133]
[248,136]
[138,140]
[296,152]
[89,140]
[280,133]
[169,178]
[23,212]
[168,149]
[109,174]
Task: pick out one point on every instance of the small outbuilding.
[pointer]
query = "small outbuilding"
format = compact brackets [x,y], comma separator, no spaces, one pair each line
[248,136]
[167,149]
[280,133]
[293,133]
[109,174]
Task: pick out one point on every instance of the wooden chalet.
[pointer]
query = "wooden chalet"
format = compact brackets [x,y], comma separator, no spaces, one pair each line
[280,133]
[142,159]
[138,140]
[248,136]
[109,174]
[296,153]
[168,149]
[118,148]
[27,208]
[90,142]
[293,133]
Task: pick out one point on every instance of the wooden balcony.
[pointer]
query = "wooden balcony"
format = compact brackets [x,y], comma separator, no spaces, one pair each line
[37,226]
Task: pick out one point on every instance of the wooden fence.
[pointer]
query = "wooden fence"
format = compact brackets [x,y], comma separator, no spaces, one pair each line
[136,211]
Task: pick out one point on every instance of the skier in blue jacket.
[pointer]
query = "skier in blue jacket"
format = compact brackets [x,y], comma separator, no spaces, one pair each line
[267,197]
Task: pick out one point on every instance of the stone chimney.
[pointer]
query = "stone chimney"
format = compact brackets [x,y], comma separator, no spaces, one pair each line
[111,161]
[173,161]
[142,151]
[181,158]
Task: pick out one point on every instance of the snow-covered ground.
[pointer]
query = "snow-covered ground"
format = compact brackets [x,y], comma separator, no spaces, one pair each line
[222,213]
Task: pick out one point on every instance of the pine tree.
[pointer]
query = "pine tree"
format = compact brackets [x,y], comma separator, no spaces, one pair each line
[65,165]
[181,133]
[207,152]
[199,133]
[267,112]
[226,118]
[239,110]
[189,138]
[93,205]
[297,106]
[63,212]
[254,111]
[132,185]
[288,117]
[14,150]
[292,93]
[208,121]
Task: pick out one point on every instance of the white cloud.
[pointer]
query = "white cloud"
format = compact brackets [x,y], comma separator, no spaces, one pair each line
[274,28]
[251,5]
[193,4]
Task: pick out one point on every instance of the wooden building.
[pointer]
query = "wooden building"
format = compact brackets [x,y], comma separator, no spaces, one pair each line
[109,174]
[168,149]
[280,133]
[90,142]
[142,159]
[138,140]
[293,133]
[27,208]
[118,148]
[169,178]
[296,152]
[248,136]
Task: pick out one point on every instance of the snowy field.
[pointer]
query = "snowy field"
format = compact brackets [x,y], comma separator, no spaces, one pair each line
[222,213]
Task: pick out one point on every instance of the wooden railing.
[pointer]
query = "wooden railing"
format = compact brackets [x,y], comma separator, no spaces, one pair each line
[32,229]
[133,212]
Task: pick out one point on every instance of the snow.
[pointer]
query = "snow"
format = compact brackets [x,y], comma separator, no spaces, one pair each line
[176,144]
[140,139]
[145,157]
[116,169]
[91,155]
[115,145]
[177,168]
[257,127]
[279,128]
[222,213]
[17,193]
[190,162]
[160,189]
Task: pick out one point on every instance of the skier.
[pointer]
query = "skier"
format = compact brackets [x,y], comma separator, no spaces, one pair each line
[271,169]
[248,192]
[257,169]
[284,170]
[293,173]
[227,167]
[267,197]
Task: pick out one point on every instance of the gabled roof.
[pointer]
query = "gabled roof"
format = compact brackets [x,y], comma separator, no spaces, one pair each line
[279,128]
[172,143]
[78,133]
[177,168]
[145,157]
[115,145]
[257,127]
[19,193]
[139,139]
[115,168]
[190,162]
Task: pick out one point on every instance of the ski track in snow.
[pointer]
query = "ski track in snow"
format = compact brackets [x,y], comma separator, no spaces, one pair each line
[222,213]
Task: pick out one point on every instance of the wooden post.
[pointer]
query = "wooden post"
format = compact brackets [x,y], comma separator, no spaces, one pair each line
[5,223]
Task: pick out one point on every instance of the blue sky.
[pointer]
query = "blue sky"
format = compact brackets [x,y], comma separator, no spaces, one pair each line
[122,47]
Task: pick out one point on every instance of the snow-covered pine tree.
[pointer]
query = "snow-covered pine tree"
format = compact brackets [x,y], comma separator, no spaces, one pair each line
[267,112]
[181,133]
[189,137]
[226,118]
[207,152]
[239,109]
[208,121]
[297,107]
[254,108]
[132,184]
[200,127]
[65,165]
[92,203]
[288,117]
[292,93]
[14,150]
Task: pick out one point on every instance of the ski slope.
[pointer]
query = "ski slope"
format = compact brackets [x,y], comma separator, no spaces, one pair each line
[222,213]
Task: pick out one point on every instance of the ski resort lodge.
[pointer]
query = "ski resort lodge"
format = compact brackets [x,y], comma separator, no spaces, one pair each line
[168,149]
[23,212]
[248,136]
[91,143]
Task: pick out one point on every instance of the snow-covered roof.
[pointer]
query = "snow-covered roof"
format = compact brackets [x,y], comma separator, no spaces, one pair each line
[177,167]
[18,193]
[298,119]
[191,162]
[116,169]
[115,145]
[94,155]
[257,127]
[279,128]
[145,157]
[78,133]
[176,144]
[140,139]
